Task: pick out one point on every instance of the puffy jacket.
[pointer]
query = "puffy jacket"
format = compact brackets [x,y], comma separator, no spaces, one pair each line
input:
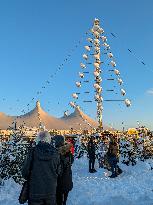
[113,150]
[91,149]
[45,170]
[65,183]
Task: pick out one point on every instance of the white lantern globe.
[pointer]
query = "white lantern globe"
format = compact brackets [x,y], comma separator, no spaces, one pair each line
[85,56]
[82,65]
[78,84]
[87,48]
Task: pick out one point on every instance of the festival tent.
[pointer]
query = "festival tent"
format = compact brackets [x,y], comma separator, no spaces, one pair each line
[76,120]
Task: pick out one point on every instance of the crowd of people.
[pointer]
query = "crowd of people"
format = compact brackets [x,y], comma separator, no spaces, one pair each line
[110,149]
[107,153]
[47,167]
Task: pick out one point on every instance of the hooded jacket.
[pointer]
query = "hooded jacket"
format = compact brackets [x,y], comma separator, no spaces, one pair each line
[113,150]
[45,170]
[91,149]
[65,183]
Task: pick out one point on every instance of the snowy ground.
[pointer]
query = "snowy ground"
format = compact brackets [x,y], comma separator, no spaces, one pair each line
[133,187]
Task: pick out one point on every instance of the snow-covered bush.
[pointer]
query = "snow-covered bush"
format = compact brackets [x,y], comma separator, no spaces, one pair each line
[12,155]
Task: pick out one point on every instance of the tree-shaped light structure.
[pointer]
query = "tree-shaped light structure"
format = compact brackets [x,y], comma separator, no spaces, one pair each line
[98,46]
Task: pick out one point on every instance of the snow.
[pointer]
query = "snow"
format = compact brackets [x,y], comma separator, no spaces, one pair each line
[133,187]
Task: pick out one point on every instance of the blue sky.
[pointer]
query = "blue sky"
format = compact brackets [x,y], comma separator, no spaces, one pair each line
[36,36]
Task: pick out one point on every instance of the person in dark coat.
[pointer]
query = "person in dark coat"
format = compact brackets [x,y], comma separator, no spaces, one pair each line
[45,170]
[91,153]
[64,182]
[113,158]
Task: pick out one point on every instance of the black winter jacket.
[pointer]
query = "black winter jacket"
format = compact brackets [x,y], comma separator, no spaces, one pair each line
[91,149]
[65,183]
[45,170]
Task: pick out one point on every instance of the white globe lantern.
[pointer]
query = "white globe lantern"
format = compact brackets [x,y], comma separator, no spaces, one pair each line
[85,56]
[82,65]
[74,95]
[87,48]
[117,72]
[127,102]
[78,84]
[123,92]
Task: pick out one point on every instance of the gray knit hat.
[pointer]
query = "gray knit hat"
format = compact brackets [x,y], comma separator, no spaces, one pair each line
[43,136]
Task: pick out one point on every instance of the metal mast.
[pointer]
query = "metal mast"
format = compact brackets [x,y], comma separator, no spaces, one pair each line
[96,31]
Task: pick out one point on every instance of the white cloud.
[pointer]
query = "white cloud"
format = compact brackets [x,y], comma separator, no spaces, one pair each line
[150,91]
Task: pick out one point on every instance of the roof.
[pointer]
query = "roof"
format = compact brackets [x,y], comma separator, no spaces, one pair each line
[76,120]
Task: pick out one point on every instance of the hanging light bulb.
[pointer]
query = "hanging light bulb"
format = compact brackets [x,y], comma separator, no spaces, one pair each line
[117,72]
[74,95]
[123,92]
[89,40]
[72,104]
[120,81]
[110,55]
[85,56]
[95,27]
[97,86]
[113,63]
[98,79]
[98,61]
[97,44]
[96,65]
[82,65]
[87,48]
[104,38]
[96,73]
[97,97]
[101,99]
[97,56]
[127,102]
[97,49]
[107,46]
[96,21]
[81,75]
[99,90]
[78,84]
[96,41]
[100,109]
[101,30]
[66,113]
[96,34]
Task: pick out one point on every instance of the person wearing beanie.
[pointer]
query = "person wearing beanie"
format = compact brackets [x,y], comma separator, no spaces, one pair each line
[64,182]
[43,166]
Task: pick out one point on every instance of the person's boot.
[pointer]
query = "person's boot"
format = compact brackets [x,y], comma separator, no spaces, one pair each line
[94,170]
[114,173]
[119,170]
[113,176]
